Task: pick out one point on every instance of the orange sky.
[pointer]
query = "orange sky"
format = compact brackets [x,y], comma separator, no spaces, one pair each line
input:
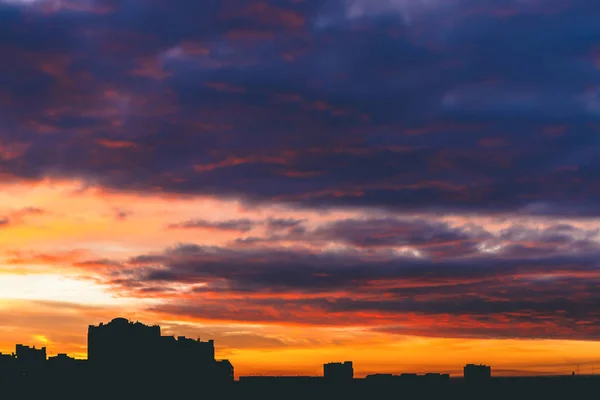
[50,290]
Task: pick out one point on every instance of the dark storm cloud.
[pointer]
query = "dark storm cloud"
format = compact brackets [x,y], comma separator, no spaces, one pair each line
[395,232]
[546,295]
[272,225]
[317,103]
[283,269]
[434,238]
[276,224]
[437,239]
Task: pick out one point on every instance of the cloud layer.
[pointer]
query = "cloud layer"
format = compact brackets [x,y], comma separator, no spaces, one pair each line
[316,103]
[411,277]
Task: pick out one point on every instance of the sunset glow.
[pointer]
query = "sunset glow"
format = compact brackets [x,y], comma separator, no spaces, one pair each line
[306,181]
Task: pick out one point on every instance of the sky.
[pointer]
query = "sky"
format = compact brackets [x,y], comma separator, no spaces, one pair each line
[410,185]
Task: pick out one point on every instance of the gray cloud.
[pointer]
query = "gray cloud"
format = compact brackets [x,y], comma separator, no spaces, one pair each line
[241,225]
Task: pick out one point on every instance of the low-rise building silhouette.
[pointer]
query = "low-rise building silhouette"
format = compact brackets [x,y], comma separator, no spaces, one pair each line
[279,381]
[408,378]
[63,361]
[7,361]
[30,357]
[380,377]
[437,377]
[225,371]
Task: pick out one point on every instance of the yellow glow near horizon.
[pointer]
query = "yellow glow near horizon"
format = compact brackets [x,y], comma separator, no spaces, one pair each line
[55,288]
[421,355]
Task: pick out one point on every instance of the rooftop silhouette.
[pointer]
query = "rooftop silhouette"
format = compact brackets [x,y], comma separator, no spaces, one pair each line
[132,360]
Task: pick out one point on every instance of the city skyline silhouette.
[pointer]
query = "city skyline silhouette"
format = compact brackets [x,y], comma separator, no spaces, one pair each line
[121,340]
[129,358]
[411,186]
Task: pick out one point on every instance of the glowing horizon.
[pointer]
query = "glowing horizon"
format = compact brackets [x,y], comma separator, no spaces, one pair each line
[70,279]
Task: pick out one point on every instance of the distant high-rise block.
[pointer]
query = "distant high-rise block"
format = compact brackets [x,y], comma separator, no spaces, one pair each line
[338,372]
[137,348]
[122,343]
[477,373]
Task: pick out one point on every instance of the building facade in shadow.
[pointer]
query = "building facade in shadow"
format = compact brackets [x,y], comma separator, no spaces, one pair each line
[134,349]
[477,373]
[337,372]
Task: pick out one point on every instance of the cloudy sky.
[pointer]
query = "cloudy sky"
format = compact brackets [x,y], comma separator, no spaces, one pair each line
[408,184]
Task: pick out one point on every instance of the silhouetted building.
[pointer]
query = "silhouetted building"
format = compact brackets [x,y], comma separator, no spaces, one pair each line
[380,378]
[437,377]
[122,344]
[477,373]
[7,361]
[30,357]
[225,372]
[338,372]
[63,361]
[184,351]
[266,381]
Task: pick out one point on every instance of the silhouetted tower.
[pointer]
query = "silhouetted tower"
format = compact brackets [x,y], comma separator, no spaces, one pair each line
[338,372]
